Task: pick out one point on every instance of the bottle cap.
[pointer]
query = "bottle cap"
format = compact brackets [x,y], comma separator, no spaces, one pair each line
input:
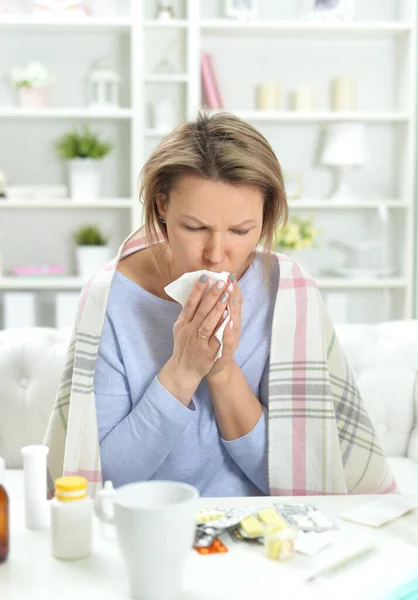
[71,487]
[2,469]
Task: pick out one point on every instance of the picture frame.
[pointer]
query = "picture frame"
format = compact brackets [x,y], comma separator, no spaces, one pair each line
[241,9]
[327,10]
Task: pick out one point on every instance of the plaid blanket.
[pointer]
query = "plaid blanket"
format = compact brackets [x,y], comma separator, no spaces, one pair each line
[321,439]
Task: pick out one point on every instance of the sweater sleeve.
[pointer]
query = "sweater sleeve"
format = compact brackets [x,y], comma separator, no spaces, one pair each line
[250,452]
[135,437]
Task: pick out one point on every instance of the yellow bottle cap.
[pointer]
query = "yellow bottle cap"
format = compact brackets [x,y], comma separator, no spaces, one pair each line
[71,487]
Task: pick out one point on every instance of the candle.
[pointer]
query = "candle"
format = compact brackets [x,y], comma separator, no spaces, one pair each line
[304,98]
[343,93]
[268,96]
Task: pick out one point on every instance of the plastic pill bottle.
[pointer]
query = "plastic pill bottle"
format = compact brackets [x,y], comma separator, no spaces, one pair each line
[71,519]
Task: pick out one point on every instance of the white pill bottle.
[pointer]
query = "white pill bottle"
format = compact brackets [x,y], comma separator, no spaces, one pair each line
[71,519]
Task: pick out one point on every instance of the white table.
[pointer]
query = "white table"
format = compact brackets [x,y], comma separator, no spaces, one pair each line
[244,573]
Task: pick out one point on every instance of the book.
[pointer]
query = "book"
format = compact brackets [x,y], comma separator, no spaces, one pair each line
[211,94]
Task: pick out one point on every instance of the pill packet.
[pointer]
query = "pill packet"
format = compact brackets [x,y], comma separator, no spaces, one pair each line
[221,518]
[210,524]
[305,517]
[253,527]
[205,536]
[217,547]
[237,536]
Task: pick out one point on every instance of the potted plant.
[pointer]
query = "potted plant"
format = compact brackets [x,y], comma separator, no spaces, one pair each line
[32,84]
[84,152]
[92,250]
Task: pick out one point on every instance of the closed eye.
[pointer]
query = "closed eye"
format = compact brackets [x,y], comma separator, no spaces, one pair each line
[236,231]
[195,228]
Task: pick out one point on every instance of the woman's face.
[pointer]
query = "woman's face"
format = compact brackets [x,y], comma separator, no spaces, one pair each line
[212,225]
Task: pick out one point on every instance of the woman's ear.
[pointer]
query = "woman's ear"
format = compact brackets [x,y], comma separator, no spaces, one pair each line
[161,201]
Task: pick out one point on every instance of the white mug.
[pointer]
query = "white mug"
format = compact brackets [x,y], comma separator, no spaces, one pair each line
[155,523]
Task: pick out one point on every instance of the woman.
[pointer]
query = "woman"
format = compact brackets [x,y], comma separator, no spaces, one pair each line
[279,411]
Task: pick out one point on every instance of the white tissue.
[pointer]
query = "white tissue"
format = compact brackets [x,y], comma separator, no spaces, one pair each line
[180,290]
[382,510]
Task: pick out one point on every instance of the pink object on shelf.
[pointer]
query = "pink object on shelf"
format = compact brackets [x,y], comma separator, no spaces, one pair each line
[60,7]
[210,90]
[36,270]
[31,97]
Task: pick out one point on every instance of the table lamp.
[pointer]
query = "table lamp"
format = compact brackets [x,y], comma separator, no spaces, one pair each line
[345,147]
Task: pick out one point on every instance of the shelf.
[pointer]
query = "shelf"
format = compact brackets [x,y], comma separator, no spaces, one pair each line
[342,283]
[14,112]
[169,24]
[327,204]
[166,78]
[303,28]
[321,116]
[53,25]
[66,204]
[41,283]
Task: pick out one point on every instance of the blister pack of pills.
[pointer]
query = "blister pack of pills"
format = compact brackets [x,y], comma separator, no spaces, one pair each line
[221,518]
[305,517]
[212,523]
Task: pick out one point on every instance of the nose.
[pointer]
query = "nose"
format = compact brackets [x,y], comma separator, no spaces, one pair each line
[214,252]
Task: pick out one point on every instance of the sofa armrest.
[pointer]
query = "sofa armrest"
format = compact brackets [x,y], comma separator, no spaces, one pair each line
[31,364]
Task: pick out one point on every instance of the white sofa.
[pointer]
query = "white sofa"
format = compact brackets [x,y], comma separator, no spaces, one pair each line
[384,358]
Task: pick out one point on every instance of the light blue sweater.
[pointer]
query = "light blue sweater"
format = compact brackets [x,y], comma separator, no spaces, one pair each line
[145,432]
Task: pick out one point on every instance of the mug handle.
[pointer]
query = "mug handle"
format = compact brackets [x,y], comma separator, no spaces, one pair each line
[103,504]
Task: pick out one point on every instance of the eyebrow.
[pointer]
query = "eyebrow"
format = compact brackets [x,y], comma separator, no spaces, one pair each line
[246,222]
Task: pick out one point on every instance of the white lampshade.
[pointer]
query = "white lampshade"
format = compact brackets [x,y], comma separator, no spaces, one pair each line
[345,145]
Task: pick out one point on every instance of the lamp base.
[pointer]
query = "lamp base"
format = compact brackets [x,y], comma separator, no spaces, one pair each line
[341,191]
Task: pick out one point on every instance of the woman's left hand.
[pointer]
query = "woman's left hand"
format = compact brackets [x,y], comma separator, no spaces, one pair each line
[232,333]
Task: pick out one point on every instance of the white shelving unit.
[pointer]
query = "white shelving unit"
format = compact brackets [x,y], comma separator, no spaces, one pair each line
[297,28]
[36,24]
[378,48]
[14,113]
[41,283]
[322,116]
[69,48]
[105,204]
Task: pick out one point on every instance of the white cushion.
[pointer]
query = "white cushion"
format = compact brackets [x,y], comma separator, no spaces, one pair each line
[384,359]
[31,362]
[406,474]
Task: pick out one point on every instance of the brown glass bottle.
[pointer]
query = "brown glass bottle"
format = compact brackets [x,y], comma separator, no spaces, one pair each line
[4,517]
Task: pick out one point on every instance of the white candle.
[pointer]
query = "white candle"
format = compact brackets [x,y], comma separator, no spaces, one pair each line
[268,96]
[343,93]
[304,98]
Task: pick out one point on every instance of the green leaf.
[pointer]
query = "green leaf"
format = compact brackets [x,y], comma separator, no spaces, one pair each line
[82,145]
[89,235]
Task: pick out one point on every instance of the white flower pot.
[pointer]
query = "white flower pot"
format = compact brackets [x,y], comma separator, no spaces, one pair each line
[84,175]
[32,97]
[91,259]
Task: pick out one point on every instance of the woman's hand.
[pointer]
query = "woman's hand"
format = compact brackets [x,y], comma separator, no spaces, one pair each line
[231,335]
[195,344]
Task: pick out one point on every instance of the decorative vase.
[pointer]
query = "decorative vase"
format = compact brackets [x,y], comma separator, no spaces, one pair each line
[90,259]
[32,97]
[84,179]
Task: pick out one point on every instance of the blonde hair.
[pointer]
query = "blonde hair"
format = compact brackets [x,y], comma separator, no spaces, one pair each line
[221,147]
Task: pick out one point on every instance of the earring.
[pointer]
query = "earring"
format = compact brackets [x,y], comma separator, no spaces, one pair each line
[162,219]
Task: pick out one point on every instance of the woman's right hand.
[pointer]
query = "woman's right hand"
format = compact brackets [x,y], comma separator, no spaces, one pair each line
[195,344]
